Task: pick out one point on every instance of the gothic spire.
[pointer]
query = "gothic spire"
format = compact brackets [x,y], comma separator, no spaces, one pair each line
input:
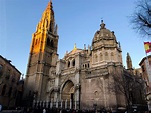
[129,61]
[47,21]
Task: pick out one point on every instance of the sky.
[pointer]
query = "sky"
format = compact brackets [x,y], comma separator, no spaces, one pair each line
[77,21]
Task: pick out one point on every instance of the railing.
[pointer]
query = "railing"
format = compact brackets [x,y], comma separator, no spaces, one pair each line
[64,104]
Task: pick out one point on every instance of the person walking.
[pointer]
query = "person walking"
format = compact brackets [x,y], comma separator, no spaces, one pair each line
[0,107]
[44,110]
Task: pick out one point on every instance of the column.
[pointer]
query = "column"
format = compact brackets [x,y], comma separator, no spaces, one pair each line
[57,103]
[66,104]
[61,104]
[43,103]
[40,103]
[75,104]
[70,103]
[34,103]
[37,103]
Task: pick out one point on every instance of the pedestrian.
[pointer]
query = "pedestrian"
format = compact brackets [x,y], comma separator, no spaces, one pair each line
[0,107]
[44,110]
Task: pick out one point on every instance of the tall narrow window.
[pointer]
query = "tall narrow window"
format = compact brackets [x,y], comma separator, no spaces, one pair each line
[68,63]
[51,43]
[48,41]
[73,62]
[3,90]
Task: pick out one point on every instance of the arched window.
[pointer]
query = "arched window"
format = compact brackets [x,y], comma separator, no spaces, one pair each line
[85,66]
[88,65]
[3,90]
[101,57]
[50,42]
[68,63]
[106,56]
[73,62]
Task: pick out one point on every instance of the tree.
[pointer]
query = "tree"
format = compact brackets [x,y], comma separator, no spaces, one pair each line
[131,87]
[141,19]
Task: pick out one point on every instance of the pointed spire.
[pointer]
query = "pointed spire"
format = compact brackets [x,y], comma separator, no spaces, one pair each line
[75,46]
[129,61]
[84,46]
[89,50]
[47,21]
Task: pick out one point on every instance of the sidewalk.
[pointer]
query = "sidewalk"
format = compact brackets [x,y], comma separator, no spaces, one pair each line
[10,111]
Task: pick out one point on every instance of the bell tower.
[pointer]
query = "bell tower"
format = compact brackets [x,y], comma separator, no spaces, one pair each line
[43,54]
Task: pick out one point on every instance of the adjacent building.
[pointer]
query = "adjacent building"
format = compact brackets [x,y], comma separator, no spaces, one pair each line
[146,75]
[83,78]
[9,78]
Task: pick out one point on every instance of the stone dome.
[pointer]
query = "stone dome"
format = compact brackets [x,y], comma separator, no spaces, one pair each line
[103,35]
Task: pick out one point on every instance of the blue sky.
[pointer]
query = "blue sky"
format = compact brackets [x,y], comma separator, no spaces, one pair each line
[77,21]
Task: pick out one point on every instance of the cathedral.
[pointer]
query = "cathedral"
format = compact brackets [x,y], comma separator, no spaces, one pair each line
[83,78]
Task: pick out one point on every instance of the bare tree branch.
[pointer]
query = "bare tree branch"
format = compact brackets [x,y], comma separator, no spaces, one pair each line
[141,19]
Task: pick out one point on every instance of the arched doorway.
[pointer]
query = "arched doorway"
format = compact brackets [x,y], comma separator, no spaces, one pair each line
[68,92]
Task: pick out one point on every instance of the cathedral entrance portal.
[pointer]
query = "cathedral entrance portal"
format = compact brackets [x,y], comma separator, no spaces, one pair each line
[68,92]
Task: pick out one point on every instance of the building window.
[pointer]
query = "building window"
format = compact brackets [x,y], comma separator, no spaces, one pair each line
[3,90]
[73,62]
[68,63]
[88,66]
[85,66]
[50,42]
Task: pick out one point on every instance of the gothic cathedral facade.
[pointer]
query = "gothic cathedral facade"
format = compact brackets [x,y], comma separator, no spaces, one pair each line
[83,76]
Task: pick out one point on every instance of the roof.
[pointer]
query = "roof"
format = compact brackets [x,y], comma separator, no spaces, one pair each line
[9,62]
[149,56]
[75,50]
